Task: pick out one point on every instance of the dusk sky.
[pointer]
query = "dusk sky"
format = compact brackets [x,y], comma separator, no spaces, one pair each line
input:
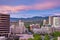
[29,8]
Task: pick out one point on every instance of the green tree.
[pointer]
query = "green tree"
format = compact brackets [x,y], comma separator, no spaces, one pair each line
[27,25]
[41,24]
[37,37]
[56,34]
[46,37]
[55,38]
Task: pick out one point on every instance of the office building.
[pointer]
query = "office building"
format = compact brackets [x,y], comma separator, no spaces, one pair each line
[44,22]
[17,27]
[4,24]
[50,20]
[56,21]
[21,26]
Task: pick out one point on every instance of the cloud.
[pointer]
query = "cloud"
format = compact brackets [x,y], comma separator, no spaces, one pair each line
[44,6]
[8,9]
[37,6]
[57,13]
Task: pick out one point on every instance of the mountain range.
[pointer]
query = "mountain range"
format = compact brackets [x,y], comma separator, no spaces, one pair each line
[32,19]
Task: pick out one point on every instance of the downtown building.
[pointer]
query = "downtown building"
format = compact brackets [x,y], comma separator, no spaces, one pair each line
[54,21]
[50,20]
[17,27]
[32,26]
[4,24]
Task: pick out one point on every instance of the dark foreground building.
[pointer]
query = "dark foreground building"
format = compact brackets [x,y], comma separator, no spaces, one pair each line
[4,24]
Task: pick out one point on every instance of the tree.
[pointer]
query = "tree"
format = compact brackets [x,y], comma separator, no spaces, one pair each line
[37,37]
[41,24]
[55,38]
[56,34]
[47,37]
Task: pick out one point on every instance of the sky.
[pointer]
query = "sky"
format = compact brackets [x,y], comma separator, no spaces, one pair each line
[30,8]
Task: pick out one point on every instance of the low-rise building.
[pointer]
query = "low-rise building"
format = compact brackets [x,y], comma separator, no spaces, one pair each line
[32,26]
[57,29]
[2,38]
[58,38]
[43,30]
[25,36]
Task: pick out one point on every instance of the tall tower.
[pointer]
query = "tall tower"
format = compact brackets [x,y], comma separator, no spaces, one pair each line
[22,27]
[44,22]
[50,20]
[4,24]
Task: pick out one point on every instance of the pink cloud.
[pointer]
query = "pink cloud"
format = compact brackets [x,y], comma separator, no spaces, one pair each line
[38,6]
[44,6]
[56,13]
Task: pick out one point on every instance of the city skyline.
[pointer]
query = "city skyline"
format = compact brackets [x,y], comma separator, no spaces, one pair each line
[30,8]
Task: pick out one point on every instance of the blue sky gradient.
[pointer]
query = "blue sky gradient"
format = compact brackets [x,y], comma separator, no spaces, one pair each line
[30,12]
